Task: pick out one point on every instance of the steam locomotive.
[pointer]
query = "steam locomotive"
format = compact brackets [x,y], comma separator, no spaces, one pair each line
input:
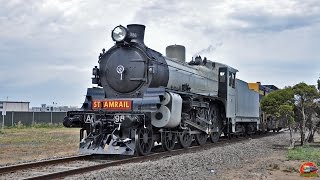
[143,97]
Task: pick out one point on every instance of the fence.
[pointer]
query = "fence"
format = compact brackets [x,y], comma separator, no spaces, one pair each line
[29,118]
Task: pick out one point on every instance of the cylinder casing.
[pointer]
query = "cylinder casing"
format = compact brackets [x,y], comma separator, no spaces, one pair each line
[170,113]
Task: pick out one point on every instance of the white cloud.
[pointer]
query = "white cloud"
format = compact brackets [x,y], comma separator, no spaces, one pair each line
[49,41]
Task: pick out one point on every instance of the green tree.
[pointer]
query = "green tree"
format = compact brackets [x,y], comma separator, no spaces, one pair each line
[304,96]
[271,103]
[286,112]
[280,105]
[313,122]
[318,84]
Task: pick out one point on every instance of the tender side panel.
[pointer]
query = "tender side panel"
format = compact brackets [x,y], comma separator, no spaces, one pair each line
[247,102]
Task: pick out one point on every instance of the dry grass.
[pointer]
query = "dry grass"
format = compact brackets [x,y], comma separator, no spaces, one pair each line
[27,144]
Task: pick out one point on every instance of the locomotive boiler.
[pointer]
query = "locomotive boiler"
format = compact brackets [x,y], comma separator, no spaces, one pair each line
[143,97]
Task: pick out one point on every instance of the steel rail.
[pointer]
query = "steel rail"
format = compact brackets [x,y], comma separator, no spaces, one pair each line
[13,168]
[152,156]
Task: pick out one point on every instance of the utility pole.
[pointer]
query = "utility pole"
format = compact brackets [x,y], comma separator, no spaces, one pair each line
[2,127]
[3,108]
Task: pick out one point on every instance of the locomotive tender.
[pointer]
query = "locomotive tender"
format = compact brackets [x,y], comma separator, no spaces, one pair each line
[144,97]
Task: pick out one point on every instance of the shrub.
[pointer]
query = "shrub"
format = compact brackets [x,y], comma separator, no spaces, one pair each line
[47,125]
[19,125]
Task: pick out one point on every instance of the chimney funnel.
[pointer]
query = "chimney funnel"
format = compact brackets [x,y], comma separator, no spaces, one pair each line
[136,32]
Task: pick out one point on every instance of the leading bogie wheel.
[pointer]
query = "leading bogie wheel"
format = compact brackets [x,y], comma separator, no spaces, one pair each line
[144,141]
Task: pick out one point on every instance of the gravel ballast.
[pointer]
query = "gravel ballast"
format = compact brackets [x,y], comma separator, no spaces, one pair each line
[213,163]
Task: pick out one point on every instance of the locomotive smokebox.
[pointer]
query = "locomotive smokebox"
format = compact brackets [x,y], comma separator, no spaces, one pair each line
[177,52]
[136,32]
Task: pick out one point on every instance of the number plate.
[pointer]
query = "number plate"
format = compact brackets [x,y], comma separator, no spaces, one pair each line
[118,118]
[89,118]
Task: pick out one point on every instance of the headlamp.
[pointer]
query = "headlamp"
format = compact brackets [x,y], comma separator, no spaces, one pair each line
[119,33]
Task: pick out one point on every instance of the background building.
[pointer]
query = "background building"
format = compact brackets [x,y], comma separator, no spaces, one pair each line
[14,106]
[20,113]
[54,108]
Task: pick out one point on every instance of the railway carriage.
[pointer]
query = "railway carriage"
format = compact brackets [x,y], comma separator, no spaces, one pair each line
[143,97]
[267,122]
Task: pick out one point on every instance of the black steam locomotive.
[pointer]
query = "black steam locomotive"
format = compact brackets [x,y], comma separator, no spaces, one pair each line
[144,97]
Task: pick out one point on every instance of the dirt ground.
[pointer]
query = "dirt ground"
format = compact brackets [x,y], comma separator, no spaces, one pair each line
[29,144]
[276,166]
[272,167]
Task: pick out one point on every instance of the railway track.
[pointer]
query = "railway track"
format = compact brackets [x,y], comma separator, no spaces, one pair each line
[63,167]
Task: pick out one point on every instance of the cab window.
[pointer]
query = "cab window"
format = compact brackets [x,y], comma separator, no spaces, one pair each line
[232,79]
[222,77]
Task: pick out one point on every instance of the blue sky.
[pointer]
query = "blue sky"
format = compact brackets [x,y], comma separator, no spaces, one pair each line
[48,47]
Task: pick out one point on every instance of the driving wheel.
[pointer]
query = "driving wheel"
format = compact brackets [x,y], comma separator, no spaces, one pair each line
[201,138]
[168,140]
[216,120]
[185,139]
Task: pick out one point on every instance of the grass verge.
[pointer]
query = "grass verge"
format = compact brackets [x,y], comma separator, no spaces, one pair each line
[30,143]
[19,125]
[305,153]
